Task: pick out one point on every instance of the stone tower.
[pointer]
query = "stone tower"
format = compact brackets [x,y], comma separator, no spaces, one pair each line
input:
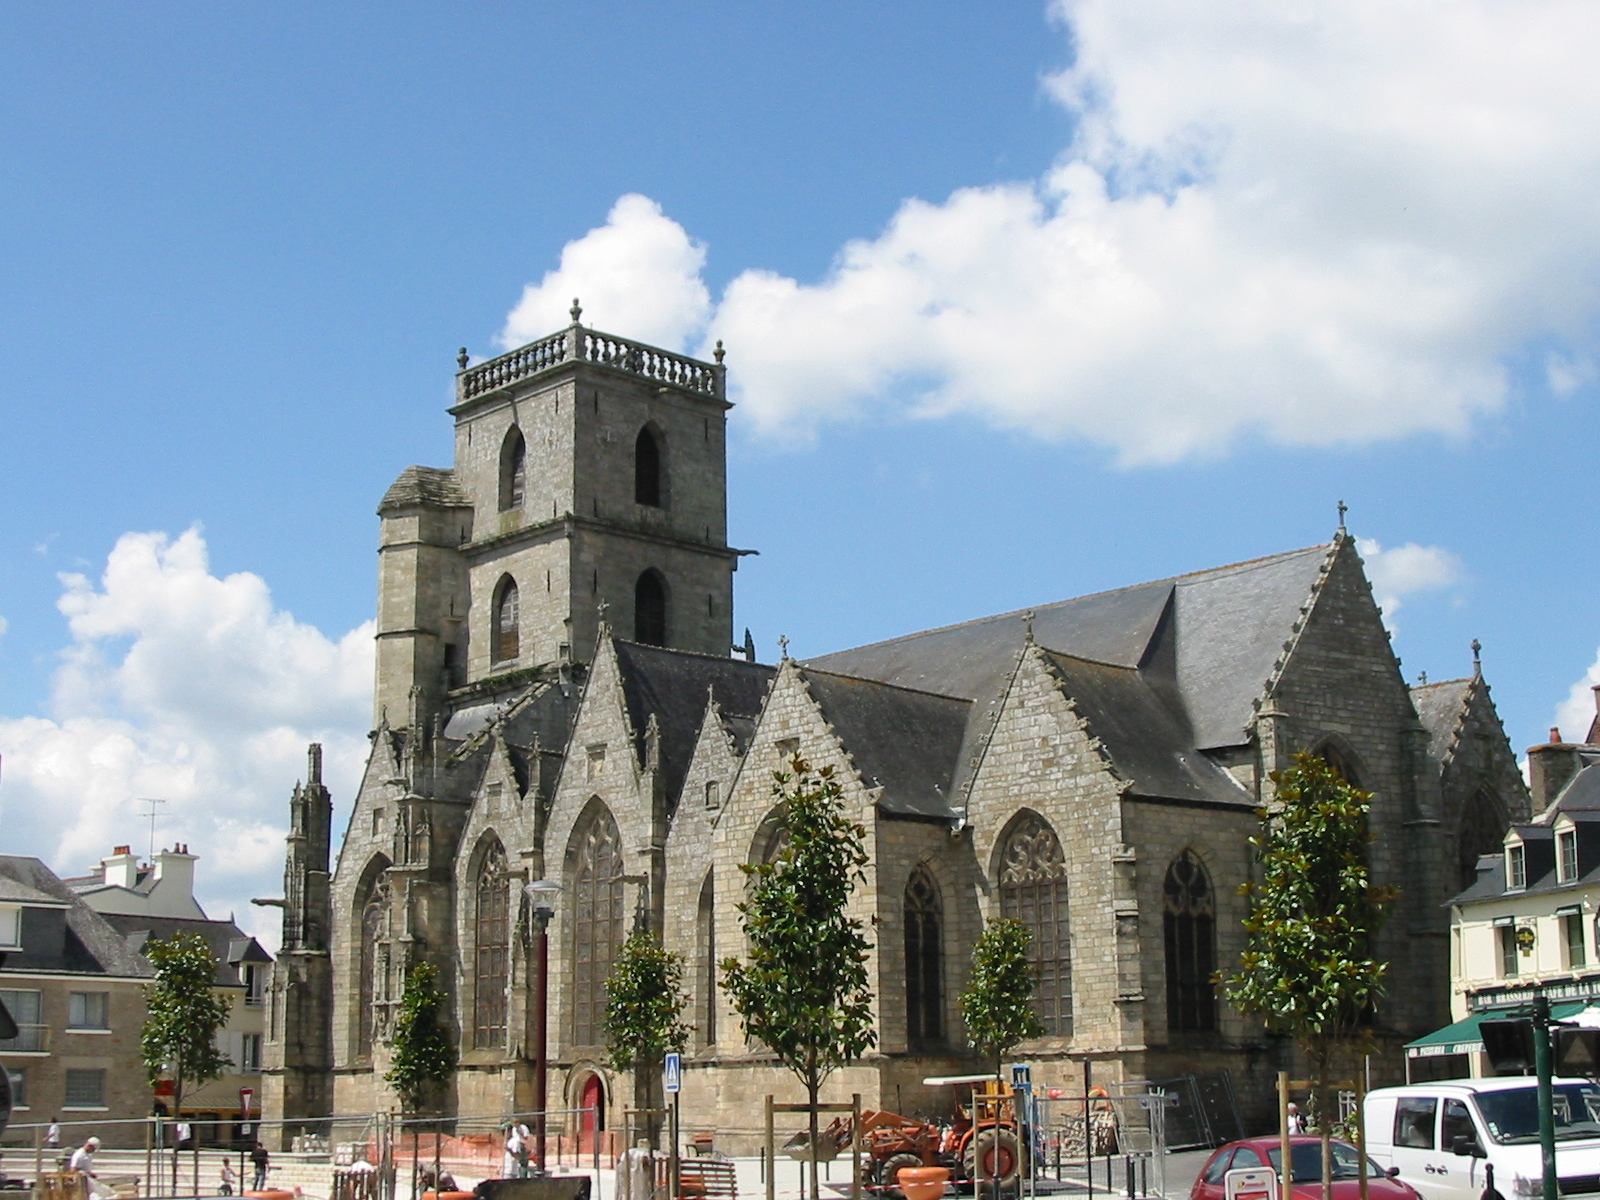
[589,471]
[299,1050]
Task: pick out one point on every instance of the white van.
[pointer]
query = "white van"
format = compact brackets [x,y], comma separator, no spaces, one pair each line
[1442,1135]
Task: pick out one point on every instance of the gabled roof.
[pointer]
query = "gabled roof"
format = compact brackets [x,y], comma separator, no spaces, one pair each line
[1137,729]
[91,945]
[228,943]
[905,741]
[673,686]
[1206,642]
[14,891]
[1441,707]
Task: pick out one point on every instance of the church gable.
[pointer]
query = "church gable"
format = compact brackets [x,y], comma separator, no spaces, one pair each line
[1045,811]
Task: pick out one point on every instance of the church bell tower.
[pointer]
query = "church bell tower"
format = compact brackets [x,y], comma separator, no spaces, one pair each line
[589,470]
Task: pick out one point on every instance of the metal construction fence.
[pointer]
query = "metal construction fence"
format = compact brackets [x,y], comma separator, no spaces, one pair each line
[366,1156]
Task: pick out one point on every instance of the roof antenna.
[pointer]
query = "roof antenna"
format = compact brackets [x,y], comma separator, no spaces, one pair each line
[1343,508]
[154,811]
[1477,662]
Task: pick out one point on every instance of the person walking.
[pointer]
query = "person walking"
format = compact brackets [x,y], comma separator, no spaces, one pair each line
[52,1136]
[1297,1123]
[260,1158]
[525,1135]
[510,1165]
[225,1188]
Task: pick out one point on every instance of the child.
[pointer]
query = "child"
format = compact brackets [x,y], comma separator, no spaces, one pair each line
[225,1188]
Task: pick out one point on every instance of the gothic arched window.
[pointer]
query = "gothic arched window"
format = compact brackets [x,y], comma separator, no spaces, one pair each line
[647,469]
[650,609]
[706,937]
[924,916]
[492,940]
[373,984]
[506,641]
[1189,927]
[597,925]
[1482,831]
[513,470]
[1033,890]
[1343,762]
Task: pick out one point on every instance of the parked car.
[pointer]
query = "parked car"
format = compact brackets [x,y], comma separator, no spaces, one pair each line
[1441,1136]
[1305,1167]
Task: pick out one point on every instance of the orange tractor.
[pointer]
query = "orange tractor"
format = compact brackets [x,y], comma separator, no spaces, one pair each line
[981,1143]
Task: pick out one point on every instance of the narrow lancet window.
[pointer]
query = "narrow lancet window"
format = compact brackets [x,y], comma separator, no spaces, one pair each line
[506,636]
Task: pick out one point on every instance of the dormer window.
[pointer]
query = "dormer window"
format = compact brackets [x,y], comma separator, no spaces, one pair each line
[10,928]
[1516,867]
[1566,855]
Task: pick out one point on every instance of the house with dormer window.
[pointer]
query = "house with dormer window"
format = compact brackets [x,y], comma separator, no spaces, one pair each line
[1530,921]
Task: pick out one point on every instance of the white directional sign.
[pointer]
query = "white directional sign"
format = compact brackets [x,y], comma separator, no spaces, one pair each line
[672,1072]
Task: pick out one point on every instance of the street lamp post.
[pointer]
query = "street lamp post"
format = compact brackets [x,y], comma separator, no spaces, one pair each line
[542,894]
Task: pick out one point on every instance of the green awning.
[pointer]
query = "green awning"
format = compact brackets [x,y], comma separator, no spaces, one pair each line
[1463,1037]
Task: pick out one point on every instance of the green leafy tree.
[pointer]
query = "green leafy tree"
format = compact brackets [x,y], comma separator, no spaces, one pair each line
[183,1012]
[804,990]
[424,1051]
[1307,969]
[644,1010]
[997,1007]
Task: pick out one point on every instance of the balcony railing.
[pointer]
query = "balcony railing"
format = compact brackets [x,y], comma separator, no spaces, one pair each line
[30,1039]
[577,344]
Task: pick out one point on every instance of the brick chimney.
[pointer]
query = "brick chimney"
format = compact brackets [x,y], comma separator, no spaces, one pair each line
[1551,767]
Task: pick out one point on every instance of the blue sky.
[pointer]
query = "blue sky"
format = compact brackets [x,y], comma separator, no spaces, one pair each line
[1021,302]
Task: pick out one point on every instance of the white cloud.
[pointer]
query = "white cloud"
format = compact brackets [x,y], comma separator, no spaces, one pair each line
[1406,570]
[637,275]
[181,685]
[1574,714]
[1326,222]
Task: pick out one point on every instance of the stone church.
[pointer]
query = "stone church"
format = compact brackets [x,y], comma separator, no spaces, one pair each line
[558,696]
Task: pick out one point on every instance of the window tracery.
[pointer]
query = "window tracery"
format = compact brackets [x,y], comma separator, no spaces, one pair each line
[1033,890]
[598,924]
[1189,931]
[924,937]
[492,941]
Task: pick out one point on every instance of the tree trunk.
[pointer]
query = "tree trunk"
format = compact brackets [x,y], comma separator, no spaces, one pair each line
[1325,1125]
[813,1086]
[177,1119]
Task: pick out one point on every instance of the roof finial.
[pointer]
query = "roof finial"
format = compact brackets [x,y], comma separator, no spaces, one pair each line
[602,608]
[575,311]
[718,352]
[1477,662]
[1027,626]
[783,646]
[1343,508]
[1422,679]
[461,358]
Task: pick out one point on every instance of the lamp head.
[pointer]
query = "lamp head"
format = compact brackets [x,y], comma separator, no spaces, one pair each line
[542,893]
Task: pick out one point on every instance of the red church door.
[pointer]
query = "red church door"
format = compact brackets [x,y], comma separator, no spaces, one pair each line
[594,1110]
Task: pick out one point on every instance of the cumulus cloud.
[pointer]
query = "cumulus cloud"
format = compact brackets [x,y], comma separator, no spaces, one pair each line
[637,275]
[1574,714]
[1329,222]
[1406,570]
[191,688]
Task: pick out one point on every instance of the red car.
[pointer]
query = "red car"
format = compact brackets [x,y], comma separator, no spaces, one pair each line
[1305,1161]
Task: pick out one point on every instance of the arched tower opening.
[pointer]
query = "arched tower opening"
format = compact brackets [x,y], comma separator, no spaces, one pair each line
[648,470]
[650,609]
[513,470]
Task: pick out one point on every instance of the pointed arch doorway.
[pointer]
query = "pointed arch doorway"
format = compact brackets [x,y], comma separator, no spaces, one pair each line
[592,1121]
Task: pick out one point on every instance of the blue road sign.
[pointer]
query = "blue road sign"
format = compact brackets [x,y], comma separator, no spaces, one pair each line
[672,1072]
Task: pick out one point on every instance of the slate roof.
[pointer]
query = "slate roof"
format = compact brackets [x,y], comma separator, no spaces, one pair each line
[674,685]
[227,941]
[433,486]
[1441,706]
[905,741]
[1204,643]
[92,946]
[1579,800]
[18,892]
[1145,740]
